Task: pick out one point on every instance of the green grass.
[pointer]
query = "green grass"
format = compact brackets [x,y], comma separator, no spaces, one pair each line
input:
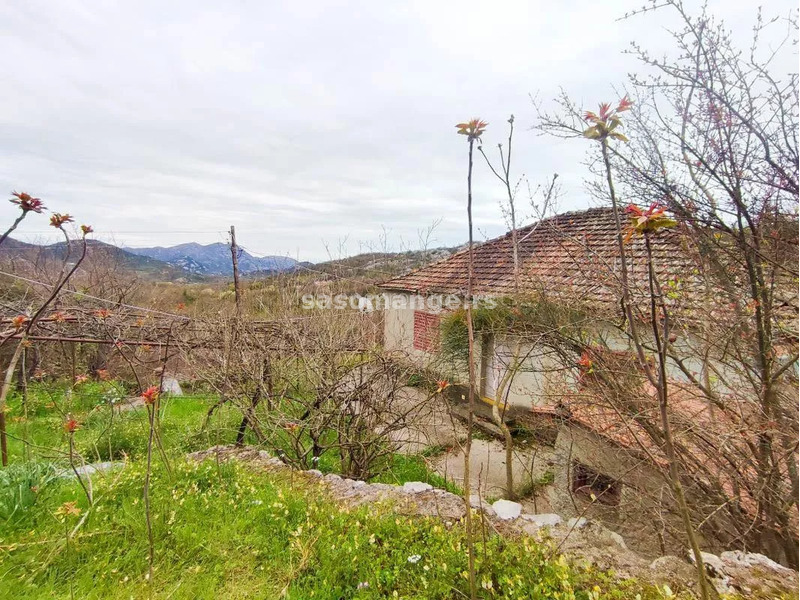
[183,428]
[223,532]
[19,483]
[105,437]
[402,468]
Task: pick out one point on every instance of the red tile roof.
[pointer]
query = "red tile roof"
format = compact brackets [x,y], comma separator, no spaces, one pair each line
[572,255]
[710,440]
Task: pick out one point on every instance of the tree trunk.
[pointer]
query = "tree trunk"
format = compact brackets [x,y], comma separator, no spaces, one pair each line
[471,393]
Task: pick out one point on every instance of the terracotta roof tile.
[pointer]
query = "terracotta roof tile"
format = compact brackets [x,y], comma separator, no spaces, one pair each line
[573,255]
[697,431]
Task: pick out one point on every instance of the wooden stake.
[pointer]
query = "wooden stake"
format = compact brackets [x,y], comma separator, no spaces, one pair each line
[235,259]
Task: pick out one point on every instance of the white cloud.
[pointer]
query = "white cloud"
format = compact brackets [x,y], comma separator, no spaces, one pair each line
[296,122]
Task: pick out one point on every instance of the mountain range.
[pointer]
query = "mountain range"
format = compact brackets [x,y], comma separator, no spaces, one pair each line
[185,261]
[214,259]
[196,262]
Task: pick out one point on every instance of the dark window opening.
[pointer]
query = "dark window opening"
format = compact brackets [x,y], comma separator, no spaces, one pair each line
[586,481]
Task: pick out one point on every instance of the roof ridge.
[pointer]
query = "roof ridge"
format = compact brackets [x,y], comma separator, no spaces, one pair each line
[570,213]
[525,229]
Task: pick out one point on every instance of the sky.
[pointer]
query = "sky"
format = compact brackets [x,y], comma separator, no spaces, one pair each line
[318,129]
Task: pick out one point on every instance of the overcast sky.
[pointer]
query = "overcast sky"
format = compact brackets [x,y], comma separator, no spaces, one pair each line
[301,123]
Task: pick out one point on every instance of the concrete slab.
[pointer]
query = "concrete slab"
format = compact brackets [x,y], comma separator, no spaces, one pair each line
[488,468]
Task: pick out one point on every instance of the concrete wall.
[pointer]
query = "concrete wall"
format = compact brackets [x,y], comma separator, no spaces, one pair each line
[398,338]
[637,517]
[533,378]
[491,359]
[398,333]
[530,383]
[541,367]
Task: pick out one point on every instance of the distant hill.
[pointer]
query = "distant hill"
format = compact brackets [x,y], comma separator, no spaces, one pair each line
[196,262]
[15,250]
[379,266]
[214,259]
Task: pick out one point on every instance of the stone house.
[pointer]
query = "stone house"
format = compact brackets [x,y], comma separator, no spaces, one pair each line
[599,460]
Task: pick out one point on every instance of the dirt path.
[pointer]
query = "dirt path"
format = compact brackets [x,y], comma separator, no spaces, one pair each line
[433,429]
[430,425]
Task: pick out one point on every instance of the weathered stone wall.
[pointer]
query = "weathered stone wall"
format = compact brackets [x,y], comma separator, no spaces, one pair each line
[578,537]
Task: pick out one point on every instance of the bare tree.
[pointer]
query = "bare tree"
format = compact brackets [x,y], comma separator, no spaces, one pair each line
[509,209]
[23,324]
[725,161]
[714,141]
[473,130]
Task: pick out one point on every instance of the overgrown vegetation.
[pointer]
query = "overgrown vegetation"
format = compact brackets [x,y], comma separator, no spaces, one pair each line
[529,317]
[224,532]
[698,368]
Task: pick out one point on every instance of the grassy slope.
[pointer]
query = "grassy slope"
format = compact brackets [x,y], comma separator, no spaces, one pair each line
[102,438]
[223,532]
[181,423]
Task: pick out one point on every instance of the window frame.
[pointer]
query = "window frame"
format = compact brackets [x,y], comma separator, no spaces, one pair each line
[588,482]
